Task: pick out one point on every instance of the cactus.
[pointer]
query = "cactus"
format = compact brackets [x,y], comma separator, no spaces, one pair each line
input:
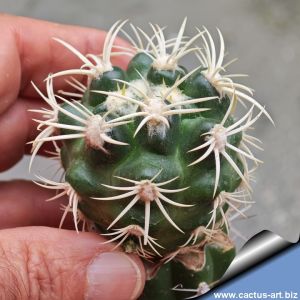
[153,158]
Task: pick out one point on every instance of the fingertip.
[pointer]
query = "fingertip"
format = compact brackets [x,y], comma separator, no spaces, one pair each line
[47,257]
[115,275]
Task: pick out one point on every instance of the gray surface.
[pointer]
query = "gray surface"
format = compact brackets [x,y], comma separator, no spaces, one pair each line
[265,36]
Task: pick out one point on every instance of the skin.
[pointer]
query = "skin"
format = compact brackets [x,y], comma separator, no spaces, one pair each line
[38,261]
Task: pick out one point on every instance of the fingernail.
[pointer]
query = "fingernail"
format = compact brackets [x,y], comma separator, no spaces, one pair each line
[113,275]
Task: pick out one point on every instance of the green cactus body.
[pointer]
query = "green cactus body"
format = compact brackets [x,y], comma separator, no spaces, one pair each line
[154,158]
[209,263]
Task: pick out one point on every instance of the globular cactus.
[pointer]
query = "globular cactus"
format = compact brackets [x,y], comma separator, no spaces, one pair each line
[153,157]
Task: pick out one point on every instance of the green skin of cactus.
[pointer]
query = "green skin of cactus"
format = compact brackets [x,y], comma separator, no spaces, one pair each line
[87,169]
[216,261]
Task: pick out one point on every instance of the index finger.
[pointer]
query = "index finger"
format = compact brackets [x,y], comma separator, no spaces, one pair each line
[29,53]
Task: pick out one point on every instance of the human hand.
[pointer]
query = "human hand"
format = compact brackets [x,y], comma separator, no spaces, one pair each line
[37,261]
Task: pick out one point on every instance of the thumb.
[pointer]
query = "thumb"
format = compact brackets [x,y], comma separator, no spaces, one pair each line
[47,263]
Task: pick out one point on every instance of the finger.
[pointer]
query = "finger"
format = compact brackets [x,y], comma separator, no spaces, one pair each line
[48,263]
[23,203]
[16,129]
[29,53]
